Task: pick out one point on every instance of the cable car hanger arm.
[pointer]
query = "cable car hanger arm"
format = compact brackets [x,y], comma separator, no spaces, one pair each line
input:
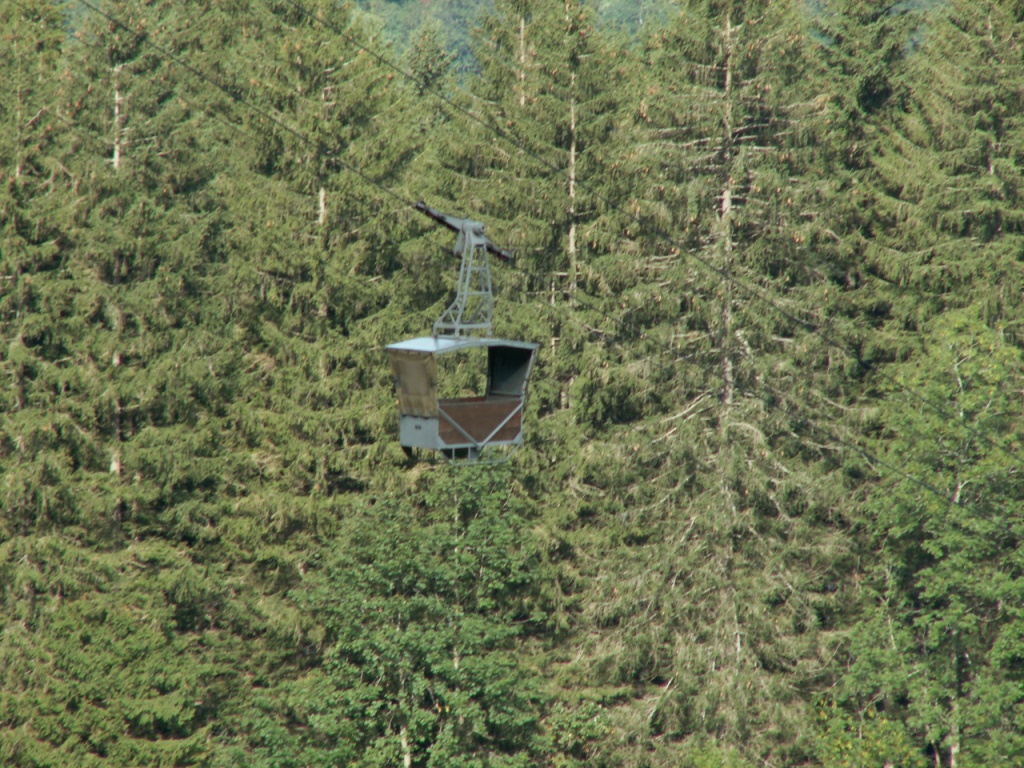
[458,225]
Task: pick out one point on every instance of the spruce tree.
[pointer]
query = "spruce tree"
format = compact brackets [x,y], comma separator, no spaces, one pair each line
[547,106]
[945,176]
[125,451]
[731,496]
[30,246]
[425,603]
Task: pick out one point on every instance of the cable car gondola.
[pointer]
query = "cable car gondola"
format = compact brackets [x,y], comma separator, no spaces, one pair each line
[482,427]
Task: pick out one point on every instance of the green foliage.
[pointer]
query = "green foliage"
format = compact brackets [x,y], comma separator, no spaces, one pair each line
[404,24]
[212,549]
[422,604]
[945,563]
[873,739]
[941,552]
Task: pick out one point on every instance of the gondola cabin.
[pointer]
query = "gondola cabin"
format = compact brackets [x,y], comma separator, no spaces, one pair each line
[461,428]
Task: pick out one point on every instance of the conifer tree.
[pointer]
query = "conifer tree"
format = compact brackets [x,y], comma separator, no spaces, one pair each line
[123,453]
[946,174]
[309,209]
[942,563]
[31,237]
[550,83]
[422,605]
[741,502]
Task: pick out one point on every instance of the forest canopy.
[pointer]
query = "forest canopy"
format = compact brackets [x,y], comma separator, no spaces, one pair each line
[767,506]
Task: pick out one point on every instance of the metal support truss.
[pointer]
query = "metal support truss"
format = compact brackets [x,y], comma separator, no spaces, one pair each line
[473,308]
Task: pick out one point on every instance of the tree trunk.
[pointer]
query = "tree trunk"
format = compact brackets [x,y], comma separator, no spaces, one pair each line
[571,246]
[118,117]
[403,735]
[522,60]
[726,224]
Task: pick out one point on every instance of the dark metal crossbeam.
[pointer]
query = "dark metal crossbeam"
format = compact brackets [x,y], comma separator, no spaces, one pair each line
[458,225]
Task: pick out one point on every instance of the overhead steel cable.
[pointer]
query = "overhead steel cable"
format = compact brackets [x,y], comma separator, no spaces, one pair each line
[361,174]
[651,226]
[239,98]
[868,455]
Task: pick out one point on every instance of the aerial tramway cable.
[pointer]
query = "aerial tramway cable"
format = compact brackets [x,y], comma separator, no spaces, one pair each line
[660,233]
[233,94]
[752,291]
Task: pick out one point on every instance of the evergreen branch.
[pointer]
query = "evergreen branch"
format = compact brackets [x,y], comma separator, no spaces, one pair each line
[871,458]
[752,292]
[234,94]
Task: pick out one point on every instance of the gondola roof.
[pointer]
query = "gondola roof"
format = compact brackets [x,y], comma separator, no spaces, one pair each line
[442,344]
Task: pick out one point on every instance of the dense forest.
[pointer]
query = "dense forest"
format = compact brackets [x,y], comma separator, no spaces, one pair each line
[768,505]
